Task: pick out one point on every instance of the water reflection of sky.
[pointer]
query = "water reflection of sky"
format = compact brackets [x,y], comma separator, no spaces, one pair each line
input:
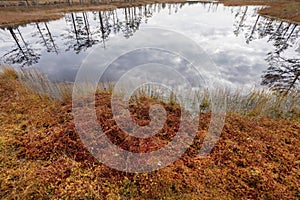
[221,31]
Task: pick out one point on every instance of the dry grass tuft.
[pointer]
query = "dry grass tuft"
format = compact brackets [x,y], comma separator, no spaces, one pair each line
[9,72]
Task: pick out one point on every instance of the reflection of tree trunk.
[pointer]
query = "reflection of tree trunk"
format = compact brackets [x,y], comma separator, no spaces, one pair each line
[125,15]
[129,13]
[274,35]
[22,37]
[242,21]
[291,32]
[107,16]
[134,11]
[279,27]
[51,38]
[74,24]
[209,7]
[253,29]
[17,41]
[293,82]
[101,25]
[176,8]
[243,17]
[132,14]
[86,24]
[25,44]
[102,28]
[117,25]
[38,27]
[126,18]
[114,19]
[287,28]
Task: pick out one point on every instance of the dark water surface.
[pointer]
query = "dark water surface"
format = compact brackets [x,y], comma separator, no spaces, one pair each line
[249,50]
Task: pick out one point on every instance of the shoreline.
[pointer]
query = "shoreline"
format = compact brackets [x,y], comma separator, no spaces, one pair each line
[285,10]
[8,17]
[15,16]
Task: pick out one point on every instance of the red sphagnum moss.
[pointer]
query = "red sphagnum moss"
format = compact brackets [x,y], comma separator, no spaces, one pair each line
[42,156]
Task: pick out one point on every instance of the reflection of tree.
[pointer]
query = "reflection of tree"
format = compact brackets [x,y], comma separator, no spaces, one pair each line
[82,33]
[132,20]
[104,30]
[82,37]
[250,37]
[81,30]
[283,72]
[47,38]
[242,20]
[282,42]
[23,54]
